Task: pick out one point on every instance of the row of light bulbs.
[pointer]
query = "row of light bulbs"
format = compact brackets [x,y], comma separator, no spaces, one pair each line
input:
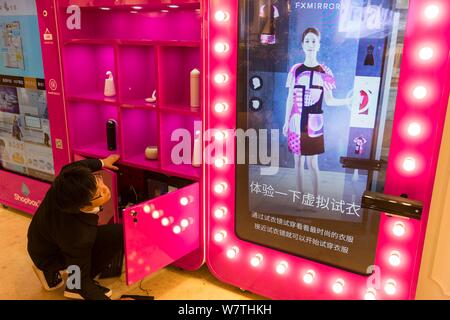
[414,129]
[167,221]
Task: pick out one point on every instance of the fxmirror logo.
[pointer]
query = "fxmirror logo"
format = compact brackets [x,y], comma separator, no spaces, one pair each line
[25,198]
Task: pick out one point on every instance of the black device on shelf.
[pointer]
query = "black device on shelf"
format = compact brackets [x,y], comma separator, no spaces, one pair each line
[111,126]
[398,206]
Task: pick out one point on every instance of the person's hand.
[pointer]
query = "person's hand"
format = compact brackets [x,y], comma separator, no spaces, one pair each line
[109,162]
[285,129]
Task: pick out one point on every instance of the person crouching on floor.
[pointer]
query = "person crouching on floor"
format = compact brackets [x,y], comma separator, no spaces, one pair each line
[64,231]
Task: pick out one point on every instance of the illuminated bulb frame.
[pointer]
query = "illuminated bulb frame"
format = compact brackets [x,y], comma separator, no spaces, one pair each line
[433,73]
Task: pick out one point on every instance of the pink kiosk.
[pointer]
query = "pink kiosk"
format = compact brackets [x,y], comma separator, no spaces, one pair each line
[336,209]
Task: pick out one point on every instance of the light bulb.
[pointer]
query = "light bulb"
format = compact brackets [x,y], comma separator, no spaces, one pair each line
[221,47]
[256,260]
[221,107]
[309,276]
[394,258]
[176,229]
[173,6]
[221,78]
[391,287]
[156,214]
[409,164]
[184,201]
[220,135]
[399,229]
[431,12]
[420,92]
[166,221]
[105,8]
[220,188]
[233,252]
[282,267]
[220,162]
[221,16]
[220,236]
[414,129]
[426,53]
[338,286]
[164,11]
[371,294]
[137,7]
[184,223]
[147,209]
[220,213]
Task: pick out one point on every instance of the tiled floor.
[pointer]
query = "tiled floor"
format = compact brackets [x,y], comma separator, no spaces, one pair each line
[17,280]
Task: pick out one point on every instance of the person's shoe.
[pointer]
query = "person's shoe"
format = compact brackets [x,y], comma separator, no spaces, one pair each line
[50,281]
[76,293]
[106,291]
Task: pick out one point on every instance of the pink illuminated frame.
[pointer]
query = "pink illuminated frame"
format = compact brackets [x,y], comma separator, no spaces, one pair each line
[253,267]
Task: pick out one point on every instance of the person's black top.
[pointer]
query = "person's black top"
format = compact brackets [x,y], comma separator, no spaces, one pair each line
[54,234]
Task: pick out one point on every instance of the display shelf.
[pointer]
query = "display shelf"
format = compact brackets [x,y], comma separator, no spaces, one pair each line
[137,69]
[177,143]
[175,64]
[98,150]
[87,126]
[137,104]
[85,69]
[93,97]
[139,161]
[140,130]
[181,23]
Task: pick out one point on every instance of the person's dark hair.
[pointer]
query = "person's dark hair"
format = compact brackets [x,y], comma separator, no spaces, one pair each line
[2,143]
[310,30]
[74,188]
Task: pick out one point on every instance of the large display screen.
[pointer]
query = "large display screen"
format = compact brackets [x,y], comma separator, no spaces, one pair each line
[25,141]
[317,82]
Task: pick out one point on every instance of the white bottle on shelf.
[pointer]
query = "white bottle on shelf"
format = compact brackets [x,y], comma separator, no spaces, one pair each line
[197,152]
[195,88]
[110,88]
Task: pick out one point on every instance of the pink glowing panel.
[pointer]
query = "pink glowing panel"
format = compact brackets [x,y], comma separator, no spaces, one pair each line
[20,192]
[151,244]
[235,266]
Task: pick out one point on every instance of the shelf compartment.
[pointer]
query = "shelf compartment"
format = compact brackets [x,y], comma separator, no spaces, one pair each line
[87,126]
[139,131]
[97,24]
[175,64]
[85,68]
[181,128]
[93,98]
[137,68]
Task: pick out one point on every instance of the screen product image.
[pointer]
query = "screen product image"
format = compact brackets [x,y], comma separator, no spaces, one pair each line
[11,43]
[315,90]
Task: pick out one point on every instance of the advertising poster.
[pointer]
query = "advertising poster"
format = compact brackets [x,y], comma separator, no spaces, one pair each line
[312,70]
[25,142]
